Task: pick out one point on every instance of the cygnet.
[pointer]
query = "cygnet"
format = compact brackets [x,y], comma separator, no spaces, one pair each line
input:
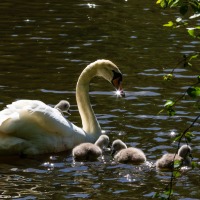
[89,151]
[122,154]
[167,160]
[63,106]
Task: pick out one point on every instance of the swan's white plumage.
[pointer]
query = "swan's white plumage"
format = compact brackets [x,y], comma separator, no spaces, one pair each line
[48,123]
[31,127]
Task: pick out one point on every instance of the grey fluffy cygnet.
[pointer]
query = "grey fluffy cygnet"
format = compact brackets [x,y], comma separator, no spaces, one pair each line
[63,106]
[89,151]
[167,160]
[122,154]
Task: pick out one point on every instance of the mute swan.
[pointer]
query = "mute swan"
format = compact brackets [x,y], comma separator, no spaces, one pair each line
[63,106]
[127,155]
[88,151]
[30,127]
[167,160]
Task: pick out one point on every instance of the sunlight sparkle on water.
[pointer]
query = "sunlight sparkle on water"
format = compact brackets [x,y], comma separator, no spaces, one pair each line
[118,93]
[172,133]
[91,5]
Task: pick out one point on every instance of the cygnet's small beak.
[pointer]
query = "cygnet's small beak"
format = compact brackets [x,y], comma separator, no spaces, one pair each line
[68,112]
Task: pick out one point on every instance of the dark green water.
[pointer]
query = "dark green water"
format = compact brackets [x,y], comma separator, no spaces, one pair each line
[44,47]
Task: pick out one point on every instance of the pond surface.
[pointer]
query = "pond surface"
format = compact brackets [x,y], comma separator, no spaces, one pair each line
[44,47]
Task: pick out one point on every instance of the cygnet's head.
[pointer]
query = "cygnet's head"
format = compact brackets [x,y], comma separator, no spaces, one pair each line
[102,141]
[117,145]
[185,151]
[63,106]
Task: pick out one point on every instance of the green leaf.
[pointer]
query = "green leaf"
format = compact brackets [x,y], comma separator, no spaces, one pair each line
[175,3]
[189,136]
[178,137]
[193,92]
[169,24]
[194,164]
[163,3]
[163,195]
[191,32]
[195,6]
[177,164]
[169,104]
[194,57]
[156,195]
[176,174]
[187,64]
[168,77]
[171,112]
[170,2]
[168,192]
[158,2]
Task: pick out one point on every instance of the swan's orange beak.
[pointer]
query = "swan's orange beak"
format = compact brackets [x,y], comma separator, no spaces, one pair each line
[117,83]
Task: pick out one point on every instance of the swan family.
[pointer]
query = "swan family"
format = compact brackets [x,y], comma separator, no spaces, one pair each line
[31,127]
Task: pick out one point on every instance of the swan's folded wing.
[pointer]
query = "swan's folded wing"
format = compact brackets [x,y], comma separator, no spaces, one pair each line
[33,127]
[12,111]
[27,115]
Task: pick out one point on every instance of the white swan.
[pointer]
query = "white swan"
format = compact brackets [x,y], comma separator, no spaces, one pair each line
[122,154]
[89,151]
[63,106]
[31,127]
[167,160]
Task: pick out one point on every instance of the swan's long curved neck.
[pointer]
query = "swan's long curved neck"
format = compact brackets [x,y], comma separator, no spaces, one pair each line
[89,121]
